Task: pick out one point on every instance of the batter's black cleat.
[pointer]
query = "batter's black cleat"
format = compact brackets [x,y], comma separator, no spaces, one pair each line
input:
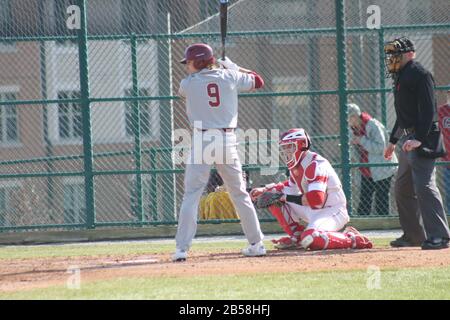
[435,244]
[403,242]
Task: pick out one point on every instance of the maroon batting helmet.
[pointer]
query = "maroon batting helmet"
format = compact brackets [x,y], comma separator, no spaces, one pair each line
[200,53]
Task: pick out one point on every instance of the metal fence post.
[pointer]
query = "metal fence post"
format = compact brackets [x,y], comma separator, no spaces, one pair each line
[138,209]
[342,93]
[382,77]
[45,120]
[314,77]
[166,107]
[153,187]
[86,118]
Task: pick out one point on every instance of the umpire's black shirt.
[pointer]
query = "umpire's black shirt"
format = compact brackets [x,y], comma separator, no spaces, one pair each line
[415,104]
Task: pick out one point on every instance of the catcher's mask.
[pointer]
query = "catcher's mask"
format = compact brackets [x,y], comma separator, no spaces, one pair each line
[393,51]
[292,145]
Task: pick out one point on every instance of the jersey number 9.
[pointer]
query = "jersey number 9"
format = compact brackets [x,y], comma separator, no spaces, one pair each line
[213,93]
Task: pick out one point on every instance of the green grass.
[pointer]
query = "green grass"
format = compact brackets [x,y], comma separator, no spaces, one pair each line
[73,250]
[394,284]
[415,283]
[120,248]
[102,249]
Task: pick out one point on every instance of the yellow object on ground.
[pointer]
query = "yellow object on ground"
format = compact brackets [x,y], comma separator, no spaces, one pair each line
[217,205]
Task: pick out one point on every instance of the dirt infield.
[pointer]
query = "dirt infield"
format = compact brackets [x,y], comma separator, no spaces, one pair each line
[23,274]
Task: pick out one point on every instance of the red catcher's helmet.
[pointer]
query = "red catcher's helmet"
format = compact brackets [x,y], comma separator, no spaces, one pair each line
[201,54]
[292,145]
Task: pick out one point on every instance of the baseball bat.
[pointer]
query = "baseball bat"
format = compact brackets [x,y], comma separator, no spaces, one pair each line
[223,23]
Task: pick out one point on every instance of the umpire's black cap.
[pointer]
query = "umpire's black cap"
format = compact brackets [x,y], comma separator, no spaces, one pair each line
[406,45]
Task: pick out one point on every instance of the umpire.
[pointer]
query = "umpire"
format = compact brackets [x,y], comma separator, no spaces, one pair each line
[419,201]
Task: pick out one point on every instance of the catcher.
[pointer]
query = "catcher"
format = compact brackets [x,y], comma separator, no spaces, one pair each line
[313,194]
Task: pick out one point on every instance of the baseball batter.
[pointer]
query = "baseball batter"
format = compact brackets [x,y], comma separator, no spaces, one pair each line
[313,194]
[211,95]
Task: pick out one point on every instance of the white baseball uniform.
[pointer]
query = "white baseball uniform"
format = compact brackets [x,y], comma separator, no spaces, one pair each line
[212,106]
[314,172]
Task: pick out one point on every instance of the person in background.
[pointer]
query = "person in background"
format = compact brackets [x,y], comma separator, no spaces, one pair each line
[444,125]
[370,139]
[214,181]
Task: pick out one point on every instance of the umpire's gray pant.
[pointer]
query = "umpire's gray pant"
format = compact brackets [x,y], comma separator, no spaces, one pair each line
[419,201]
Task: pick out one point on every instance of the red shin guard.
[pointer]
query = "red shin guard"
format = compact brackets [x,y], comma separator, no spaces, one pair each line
[291,227]
[359,241]
[321,240]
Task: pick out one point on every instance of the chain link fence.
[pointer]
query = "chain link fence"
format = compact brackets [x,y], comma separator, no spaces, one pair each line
[89,106]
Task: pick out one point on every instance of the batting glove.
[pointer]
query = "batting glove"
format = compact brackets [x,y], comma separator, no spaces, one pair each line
[228,64]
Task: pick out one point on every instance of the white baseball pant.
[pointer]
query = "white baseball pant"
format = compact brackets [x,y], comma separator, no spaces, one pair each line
[326,219]
[221,144]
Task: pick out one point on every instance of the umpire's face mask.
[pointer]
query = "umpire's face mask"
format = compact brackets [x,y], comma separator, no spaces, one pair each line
[393,57]
[393,63]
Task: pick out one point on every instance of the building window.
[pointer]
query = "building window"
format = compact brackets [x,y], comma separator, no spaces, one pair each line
[74,204]
[148,114]
[8,119]
[69,116]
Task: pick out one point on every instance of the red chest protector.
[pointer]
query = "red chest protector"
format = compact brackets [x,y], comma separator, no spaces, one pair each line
[307,172]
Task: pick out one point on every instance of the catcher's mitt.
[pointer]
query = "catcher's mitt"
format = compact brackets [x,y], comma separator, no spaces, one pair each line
[268,198]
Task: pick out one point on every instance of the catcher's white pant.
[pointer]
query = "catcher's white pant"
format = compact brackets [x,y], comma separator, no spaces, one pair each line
[196,177]
[332,218]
